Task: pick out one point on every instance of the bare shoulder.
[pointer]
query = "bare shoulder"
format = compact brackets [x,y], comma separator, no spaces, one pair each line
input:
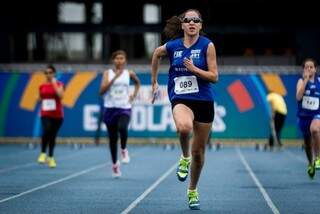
[211,47]
[161,50]
[300,81]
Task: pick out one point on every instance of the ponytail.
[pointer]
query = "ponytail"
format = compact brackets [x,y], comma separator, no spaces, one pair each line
[173,29]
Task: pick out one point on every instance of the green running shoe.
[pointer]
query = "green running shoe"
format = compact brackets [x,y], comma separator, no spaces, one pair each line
[193,197]
[311,170]
[183,168]
[317,163]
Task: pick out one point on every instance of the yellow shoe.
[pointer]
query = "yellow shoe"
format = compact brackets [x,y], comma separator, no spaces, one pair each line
[42,158]
[51,162]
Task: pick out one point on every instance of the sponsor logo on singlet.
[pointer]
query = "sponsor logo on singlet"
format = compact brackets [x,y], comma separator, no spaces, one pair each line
[195,54]
[177,54]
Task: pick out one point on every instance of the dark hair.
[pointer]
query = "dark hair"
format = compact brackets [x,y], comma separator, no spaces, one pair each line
[309,60]
[118,52]
[173,30]
[52,68]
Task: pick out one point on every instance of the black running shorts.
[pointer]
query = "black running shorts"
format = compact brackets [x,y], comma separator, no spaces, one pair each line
[203,111]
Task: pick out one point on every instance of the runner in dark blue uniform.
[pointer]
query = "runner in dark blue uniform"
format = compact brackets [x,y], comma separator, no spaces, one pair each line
[193,69]
[308,96]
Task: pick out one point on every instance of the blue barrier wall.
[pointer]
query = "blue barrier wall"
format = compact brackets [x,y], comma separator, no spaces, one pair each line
[241,108]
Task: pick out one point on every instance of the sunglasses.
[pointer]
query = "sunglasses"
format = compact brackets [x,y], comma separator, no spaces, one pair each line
[189,19]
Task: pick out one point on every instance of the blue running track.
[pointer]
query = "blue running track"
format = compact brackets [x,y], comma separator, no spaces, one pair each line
[234,180]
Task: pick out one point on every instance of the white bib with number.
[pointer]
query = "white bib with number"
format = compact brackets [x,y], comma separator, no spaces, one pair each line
[49,105]
[186,85]
[310,103]
[119,92]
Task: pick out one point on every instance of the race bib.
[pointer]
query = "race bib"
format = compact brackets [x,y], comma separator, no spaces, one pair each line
[186,85]
[48,105]
[310,103]
[118,92]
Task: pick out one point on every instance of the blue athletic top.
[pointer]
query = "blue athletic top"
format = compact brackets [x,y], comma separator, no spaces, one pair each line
[183,84]
[308,106]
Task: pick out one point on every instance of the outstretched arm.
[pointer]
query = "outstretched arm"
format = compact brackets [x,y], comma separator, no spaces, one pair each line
[157,54]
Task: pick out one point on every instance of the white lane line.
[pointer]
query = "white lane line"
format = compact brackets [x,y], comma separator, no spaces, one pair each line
[303,160]
[150,189]
[14,154]
[74,175]
[34,163]
[8,169]
[257,182]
